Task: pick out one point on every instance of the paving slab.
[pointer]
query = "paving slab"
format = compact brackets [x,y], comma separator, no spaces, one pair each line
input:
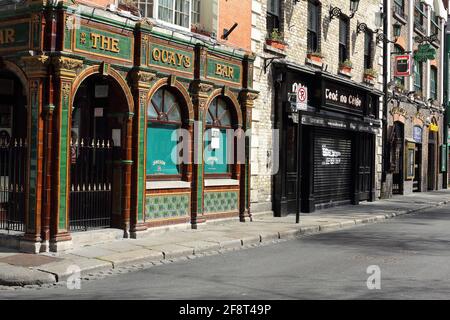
[171,251]
[19,276]
[200,246]
[92,252]
[123,258]
[121,245]
[65,268]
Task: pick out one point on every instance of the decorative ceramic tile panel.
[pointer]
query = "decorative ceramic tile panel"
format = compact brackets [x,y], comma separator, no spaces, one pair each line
[218,202]
[167,206]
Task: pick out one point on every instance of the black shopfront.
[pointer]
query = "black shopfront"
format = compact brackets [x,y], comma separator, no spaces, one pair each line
[331,141]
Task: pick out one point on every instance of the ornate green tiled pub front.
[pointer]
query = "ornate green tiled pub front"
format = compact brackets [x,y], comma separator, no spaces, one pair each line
[118,123]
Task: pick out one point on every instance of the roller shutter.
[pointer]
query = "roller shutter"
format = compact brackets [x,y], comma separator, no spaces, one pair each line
[332,166]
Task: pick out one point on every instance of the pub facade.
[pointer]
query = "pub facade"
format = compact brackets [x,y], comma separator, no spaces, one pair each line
[99,106]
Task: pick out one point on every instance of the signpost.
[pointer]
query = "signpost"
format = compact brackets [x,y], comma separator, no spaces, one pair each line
[302,98]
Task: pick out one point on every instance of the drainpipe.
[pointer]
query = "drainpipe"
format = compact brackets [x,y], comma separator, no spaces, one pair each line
[385,93]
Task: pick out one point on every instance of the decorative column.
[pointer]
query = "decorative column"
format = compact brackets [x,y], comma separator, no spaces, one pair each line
[247,101]
[36,69]
[142,82]
[65,73]
[200,95]
[127,164]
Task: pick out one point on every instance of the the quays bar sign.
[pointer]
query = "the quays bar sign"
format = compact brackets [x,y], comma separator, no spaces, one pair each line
[15,36]
[343,97]
[102,43]
[171,58]
[225,71]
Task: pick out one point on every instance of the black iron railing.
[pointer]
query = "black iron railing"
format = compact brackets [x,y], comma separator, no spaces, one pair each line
[91,184]
[13,156]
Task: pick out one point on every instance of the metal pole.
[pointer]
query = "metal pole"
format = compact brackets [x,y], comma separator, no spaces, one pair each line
[297,216]
[385,89]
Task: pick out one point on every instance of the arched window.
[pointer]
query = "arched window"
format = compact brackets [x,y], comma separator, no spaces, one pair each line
[218,121]
[163,135]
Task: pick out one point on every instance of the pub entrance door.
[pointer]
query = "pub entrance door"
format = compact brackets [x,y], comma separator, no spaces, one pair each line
[365,165]
[432,141]
[397,149]
[95,152]
[13,152]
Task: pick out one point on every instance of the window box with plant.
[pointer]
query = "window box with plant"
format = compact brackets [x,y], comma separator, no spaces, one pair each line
[275,40]
[370,75]
[346,67]
[315,57]
[199,29]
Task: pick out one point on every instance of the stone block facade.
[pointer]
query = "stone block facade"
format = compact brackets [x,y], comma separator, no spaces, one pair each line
[293,25]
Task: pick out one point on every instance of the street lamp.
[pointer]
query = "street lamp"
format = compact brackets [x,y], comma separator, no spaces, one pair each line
[335,12]
[397,28]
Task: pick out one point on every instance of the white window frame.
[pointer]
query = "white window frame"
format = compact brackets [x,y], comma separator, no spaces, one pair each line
[171,24]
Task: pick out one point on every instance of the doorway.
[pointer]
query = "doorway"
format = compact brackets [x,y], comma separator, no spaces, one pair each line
[13,152]
[397,145]
[432,142]
[417,182]
[97,135]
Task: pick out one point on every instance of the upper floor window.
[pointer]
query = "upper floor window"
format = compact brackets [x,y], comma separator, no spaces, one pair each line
[418,77]
[433,83]
[273,15]
[399,7]
[435,27]
[175,12]
[344,33]
[398,50]
[313,26]
[419,14]
[368,50]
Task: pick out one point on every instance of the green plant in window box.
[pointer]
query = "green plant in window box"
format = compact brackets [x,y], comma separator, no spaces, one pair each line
[275,39]
[346,66]
[370,74]
[315,56]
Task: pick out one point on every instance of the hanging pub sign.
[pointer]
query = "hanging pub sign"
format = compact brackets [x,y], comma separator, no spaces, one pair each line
[402,66]
[417,134]
[424,53]
[338,96]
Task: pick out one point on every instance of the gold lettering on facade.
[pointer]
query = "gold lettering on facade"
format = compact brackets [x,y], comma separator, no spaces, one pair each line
[171,58]
[224,71]
[104,43]
[7,36]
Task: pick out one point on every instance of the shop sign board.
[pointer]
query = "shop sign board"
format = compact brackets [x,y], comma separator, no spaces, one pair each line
[402,66]
[15,36]
[102,43]
[222,70]
[339,96]
[171,58]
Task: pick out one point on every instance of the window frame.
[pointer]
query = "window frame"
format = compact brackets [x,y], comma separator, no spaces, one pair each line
[156,11]
[418,71]
[313,36]
[230,167]
[434,82]
[344,47]
[176,124]
[368,51]
[273,20]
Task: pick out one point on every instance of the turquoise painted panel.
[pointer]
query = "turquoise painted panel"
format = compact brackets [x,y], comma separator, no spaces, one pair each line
[218,202]
[162,143]
[216,159]
[167,206]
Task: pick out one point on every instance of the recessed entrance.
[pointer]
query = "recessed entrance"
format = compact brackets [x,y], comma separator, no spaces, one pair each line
[13,152]
[97,135]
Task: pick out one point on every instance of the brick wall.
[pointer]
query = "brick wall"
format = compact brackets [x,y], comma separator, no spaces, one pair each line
[239,11]
[294,26]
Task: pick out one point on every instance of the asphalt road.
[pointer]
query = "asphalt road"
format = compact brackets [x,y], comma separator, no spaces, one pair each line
[412,253]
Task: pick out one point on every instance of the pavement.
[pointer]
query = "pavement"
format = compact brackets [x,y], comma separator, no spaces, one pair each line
[22,270]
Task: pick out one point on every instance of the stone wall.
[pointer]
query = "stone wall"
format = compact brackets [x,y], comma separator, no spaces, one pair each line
[294,28]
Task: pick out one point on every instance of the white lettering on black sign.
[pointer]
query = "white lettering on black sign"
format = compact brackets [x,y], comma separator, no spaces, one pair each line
[330,156]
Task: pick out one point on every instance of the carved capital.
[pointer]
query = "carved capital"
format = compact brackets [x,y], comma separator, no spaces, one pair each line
[36,66]
[142,79]
[67,67]
[201,88]
[248,98]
